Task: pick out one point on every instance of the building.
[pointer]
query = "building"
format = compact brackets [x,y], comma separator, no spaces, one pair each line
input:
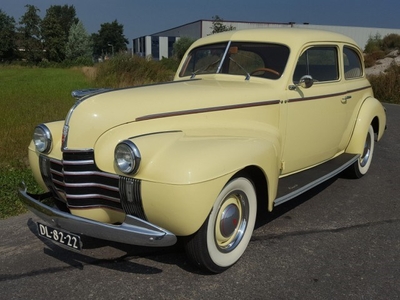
[160,44]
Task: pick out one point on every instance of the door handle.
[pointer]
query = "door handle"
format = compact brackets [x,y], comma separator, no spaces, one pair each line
[344,99]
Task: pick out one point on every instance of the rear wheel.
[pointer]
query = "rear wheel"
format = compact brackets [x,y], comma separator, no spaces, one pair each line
[225,234]
[361,166]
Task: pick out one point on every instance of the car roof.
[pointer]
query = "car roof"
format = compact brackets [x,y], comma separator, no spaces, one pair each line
[293,37]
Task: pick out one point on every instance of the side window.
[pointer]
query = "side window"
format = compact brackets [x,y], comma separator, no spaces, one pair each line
[319,62]
[352,63]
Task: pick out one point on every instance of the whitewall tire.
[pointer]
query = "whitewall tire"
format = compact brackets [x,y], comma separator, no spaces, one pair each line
[225,234]
[361,166]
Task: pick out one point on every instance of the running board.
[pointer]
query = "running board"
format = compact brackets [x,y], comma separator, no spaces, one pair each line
[291,186]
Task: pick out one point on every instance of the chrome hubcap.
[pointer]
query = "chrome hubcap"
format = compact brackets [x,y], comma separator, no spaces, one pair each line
[231,221]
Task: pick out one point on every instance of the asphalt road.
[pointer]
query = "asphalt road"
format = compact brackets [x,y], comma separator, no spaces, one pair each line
[338,241]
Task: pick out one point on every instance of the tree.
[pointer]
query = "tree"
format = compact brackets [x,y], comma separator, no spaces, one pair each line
[181,46]
[7,37]
[218,26]
[30,34]
[110,39]
[79,43]
[55,29]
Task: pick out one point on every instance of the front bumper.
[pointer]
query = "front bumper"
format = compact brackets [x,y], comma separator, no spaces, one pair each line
[133,231]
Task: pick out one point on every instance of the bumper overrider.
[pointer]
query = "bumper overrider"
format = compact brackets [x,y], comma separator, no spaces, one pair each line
[133,231]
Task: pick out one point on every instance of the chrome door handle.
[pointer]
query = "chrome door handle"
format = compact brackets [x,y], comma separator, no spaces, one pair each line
[344,99]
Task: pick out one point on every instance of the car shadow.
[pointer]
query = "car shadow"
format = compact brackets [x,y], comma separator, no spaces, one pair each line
[115,256]
[264,217]
[121,257]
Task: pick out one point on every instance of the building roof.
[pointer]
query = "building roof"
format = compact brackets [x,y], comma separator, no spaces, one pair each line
[286,35]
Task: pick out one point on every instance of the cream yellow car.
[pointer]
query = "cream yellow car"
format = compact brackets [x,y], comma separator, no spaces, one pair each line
[252,117]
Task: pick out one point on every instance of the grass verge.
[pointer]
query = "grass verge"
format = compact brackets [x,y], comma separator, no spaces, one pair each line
[29,96]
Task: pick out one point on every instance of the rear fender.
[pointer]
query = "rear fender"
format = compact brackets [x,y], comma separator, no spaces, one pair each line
[371,112]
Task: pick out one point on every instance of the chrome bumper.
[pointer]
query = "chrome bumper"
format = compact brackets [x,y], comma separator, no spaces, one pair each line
[133,231]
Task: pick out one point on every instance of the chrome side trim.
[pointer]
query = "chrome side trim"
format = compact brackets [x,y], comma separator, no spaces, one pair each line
[314,183]
[133,231]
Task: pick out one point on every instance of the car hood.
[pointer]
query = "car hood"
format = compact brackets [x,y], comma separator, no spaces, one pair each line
[94,115]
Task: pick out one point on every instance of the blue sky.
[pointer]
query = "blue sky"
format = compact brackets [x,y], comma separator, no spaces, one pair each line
[145,17]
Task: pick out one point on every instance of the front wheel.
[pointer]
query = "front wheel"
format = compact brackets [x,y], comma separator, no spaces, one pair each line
[361,166]
[225,234]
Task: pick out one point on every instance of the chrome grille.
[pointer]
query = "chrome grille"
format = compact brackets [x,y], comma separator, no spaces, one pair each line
[131,199]
[77,181]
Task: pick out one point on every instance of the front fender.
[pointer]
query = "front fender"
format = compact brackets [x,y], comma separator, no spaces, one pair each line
[183,179]
[183,159]
[182,174]
[371,112]
[176,157]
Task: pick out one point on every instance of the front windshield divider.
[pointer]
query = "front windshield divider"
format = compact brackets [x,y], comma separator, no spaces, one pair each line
[224,56]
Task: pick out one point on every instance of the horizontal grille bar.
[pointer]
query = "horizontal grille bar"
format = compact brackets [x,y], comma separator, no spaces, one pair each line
[78,180]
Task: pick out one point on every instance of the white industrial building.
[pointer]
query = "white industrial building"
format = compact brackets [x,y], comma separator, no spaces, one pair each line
[160,44]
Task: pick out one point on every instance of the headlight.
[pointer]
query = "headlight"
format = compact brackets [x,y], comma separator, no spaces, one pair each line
[127,157]
[42,138]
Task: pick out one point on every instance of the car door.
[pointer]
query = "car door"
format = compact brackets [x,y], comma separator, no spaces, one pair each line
[315,115]
[358,88]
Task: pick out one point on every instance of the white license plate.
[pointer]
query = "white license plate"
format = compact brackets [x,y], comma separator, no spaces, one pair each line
[60,236]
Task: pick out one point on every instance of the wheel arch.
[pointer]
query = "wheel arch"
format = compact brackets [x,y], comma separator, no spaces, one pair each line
[371,113]
[375,125]
[260,181]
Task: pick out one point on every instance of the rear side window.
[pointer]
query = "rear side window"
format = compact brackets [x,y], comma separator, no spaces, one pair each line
[319,62]
[352,63]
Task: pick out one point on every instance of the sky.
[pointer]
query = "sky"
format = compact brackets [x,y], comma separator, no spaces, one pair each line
[145,17]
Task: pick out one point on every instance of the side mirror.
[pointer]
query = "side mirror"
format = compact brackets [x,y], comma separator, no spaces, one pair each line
[305,82]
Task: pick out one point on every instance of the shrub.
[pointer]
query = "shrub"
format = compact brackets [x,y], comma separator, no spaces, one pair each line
[391,41]
[124,70]
[387,86]
[377,48]
[170,63]
[371,58]
[374,44]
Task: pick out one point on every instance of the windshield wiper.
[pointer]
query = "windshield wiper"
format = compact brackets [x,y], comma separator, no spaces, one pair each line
[205,68]
[243,69]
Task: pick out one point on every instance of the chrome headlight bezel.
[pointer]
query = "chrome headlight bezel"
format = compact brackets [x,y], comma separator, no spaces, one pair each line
[42,139]
[127,157]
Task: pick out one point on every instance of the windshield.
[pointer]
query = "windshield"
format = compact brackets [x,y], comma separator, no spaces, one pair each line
[236,58]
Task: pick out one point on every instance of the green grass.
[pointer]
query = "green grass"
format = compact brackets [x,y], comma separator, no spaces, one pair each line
[29,96]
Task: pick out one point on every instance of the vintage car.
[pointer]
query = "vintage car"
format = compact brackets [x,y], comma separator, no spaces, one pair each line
[253,118]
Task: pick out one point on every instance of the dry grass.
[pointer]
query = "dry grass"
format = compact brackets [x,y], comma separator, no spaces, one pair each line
[387,86]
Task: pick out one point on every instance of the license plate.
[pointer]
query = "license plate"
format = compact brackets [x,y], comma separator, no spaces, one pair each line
[59,236]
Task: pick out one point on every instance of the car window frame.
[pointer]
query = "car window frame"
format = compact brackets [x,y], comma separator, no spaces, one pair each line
[350,72]
[338,62]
